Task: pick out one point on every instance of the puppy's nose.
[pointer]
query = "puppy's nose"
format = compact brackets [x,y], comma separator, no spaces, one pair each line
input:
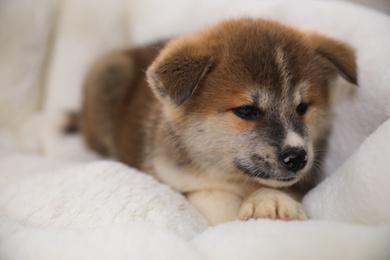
[294,159]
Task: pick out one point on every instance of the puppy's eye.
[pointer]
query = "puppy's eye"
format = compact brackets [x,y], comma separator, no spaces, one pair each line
[247,112]
[302,108]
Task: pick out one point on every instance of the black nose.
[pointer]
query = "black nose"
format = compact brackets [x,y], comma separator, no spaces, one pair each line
[294,159]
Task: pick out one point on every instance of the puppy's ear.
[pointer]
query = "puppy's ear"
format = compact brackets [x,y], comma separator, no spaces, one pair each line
[340,54]
[178,71]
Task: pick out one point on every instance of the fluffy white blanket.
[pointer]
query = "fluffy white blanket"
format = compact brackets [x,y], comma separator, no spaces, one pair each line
[59,201]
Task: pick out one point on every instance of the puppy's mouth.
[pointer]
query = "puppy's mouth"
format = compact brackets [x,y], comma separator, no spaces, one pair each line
[286,179]
[266,172]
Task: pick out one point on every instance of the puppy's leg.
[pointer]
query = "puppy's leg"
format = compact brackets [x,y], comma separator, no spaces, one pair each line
[105,89]
[273,204]
[216,205]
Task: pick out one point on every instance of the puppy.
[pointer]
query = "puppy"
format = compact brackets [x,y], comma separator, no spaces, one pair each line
[235,116]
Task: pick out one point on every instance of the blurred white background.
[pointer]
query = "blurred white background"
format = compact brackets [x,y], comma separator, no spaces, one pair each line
[380,5]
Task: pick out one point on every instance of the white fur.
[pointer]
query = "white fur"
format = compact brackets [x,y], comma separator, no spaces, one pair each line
[294,140]
[56,205]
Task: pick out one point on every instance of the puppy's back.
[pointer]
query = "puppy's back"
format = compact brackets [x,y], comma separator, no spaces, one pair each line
[115,87]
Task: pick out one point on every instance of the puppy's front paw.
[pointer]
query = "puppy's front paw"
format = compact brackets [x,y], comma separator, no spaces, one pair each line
[271,204]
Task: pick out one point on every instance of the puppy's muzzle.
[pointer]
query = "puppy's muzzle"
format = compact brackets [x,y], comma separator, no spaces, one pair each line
[293,159]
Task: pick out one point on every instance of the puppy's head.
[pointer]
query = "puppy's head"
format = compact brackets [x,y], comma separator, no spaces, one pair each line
[251,97]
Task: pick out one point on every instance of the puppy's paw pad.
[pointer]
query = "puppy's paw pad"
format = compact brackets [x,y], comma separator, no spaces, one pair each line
[272,205]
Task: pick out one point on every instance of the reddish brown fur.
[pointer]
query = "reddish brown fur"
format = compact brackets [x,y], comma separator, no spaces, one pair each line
[116,95]
[179,133]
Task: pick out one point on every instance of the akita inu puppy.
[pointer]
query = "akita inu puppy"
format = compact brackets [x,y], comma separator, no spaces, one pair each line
[235,117]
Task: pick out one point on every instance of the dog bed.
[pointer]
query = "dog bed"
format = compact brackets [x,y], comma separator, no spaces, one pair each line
[60,201]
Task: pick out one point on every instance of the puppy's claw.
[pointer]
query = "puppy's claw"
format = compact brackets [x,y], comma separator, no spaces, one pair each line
[271,204]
